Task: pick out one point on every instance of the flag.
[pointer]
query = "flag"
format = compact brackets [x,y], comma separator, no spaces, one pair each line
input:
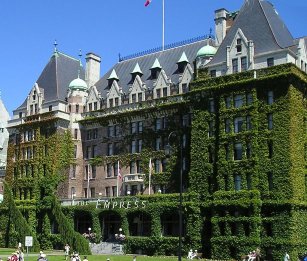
[147,2]
[150,167]
[119,175]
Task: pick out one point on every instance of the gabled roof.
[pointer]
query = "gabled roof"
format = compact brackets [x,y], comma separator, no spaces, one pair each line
[57,75]
[4,115]
[260,23]
[167,59]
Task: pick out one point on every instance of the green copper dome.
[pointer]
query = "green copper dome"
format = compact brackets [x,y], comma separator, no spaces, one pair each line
[78,84]
[207,50]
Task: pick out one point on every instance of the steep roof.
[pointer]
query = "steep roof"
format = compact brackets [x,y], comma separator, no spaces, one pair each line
[260,23]
[57,75]
[167,60]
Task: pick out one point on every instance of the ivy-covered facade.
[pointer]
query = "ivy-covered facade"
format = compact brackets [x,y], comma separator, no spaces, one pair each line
[87,158]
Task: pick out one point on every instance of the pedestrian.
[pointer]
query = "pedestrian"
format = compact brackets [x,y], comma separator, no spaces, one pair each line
[286,257]
[66,250]
[134,258]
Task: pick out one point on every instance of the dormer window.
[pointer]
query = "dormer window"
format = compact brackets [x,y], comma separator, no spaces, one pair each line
[239,45]
[155,69]
[154,73]
[136,71]
[182,63]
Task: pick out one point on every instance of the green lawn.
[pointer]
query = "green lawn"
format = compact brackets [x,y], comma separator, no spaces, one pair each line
[58,256]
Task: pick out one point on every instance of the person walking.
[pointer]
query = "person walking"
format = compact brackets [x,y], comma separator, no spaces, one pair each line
[286,257]
[66,250]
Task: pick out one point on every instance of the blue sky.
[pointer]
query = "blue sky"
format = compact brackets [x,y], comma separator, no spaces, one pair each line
[106,27]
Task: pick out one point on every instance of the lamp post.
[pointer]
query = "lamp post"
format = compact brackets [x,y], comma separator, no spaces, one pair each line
[168,151]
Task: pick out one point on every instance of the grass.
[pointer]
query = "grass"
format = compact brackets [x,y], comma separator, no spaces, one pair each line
[59,256]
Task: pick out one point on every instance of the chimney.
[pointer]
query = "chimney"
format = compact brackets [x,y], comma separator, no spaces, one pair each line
[220,24]
[92,73]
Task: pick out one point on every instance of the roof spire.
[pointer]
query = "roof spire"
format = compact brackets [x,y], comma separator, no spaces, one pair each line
[55,46]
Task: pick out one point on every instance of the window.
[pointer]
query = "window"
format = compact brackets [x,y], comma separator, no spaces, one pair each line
[157,165]
[20,114]
[238,151]
[228,102]
[133,127]
[158,144]
[139,166]
[249,181]
[270,62]
[140,126]
[132,167]
[140,97]
[88,152]
[238,124]
[158,93]
[270,181]
[249,98]
[211,106]
[270,149]
[75,134]
[227,156]
[164,164]
[85,192]
[110,103]
[213,73]
[116,130]
[248,149]
[94,151]
[210,154]
[110,149]
[95,133]
[158,124]
[211,129]
[116,169]
[93,194]
[270,98]
[116,101]
[114,191]
[95,106]
[75,151]
[73,172]
[185,120]
[133,146]
[239,45]
[139,146]
[164,91]
[107,191]
[50,107]
[270,121]
[77,108]
[238,101]
[185,88]
[133,98]
[248,122]
[243,64]
[237,181]
[109,170]
[234,65]
[110,131]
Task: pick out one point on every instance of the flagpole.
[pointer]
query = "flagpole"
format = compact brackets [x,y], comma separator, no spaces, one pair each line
[163,23]
[149,178]
[117,178]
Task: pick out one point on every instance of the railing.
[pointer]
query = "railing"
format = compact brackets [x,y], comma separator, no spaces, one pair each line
[133,178]
[166,47]
[134,106]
